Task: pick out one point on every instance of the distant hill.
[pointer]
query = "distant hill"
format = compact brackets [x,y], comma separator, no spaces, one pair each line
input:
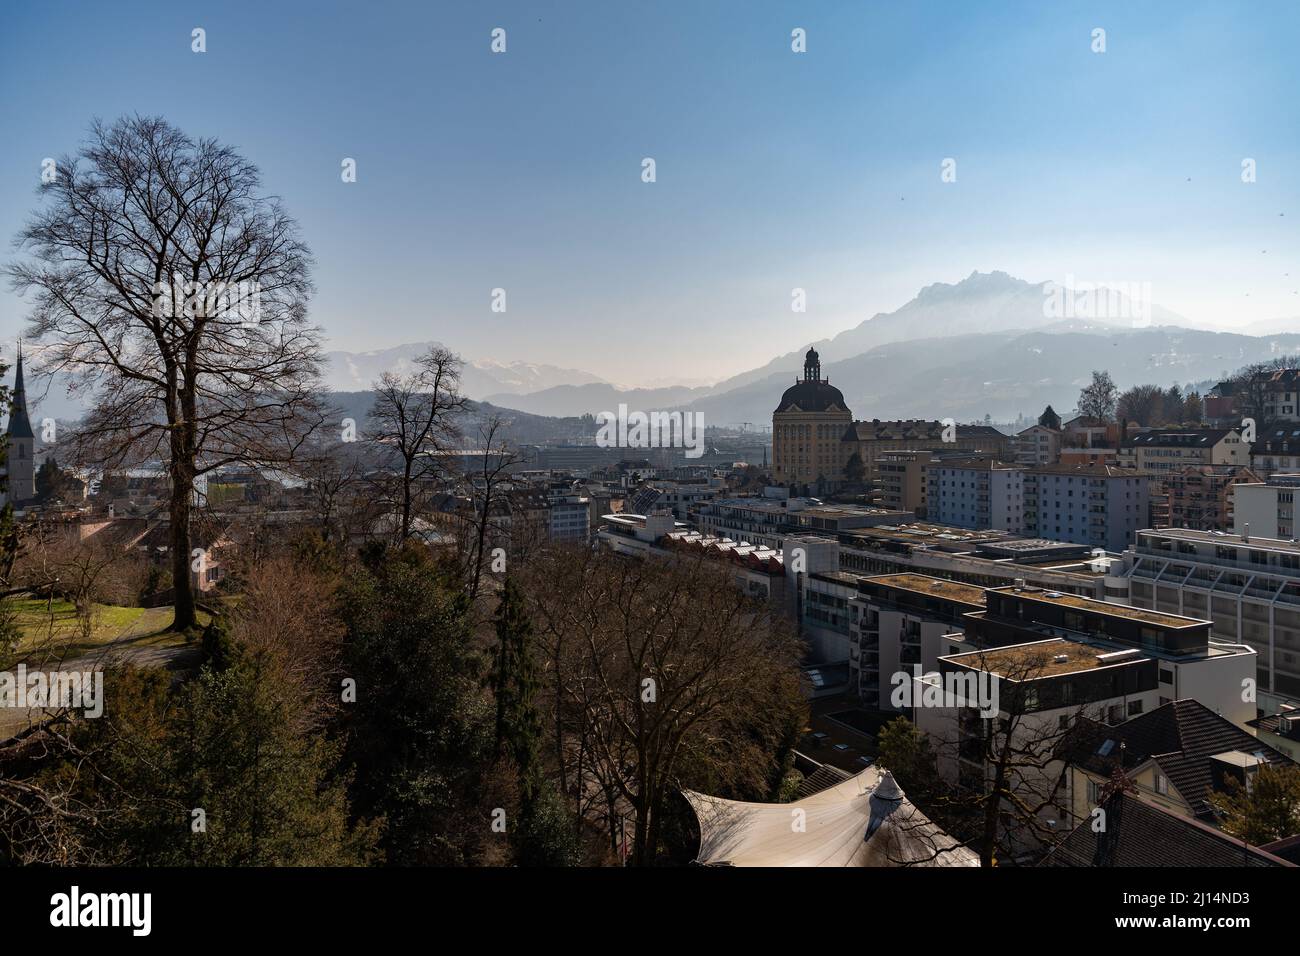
[592,399]
[1003,373]
[356,371]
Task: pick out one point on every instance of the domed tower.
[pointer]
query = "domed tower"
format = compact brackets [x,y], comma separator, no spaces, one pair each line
[21,467]
[807,428]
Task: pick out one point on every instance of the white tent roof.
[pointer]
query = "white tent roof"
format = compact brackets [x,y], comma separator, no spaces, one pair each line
[865,821]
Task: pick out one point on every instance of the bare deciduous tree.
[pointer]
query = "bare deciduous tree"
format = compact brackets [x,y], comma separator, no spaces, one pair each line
[147,236]
[413,419]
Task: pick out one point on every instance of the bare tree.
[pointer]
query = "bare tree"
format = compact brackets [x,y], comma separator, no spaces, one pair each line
[414,419]
[148,236]
[485,492]
[661,674]
[1097,399]
[334,478]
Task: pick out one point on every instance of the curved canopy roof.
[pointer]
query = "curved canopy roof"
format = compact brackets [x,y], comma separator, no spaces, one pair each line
[865,821]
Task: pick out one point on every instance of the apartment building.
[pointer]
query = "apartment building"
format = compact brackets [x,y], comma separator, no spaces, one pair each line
[977,493]
[1038,445]
[1202,497]
[1101,506]
[1169,450]
[1266,509]
[1189,664]
[1277,450]
[1247,587]
[1281,392]
[905,621]
[901,476]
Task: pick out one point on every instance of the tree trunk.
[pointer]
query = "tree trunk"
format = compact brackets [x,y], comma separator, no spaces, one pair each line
[182,476]
[182,587]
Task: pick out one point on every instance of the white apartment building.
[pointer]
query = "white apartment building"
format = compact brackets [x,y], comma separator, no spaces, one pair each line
[1266,509]
[977,493]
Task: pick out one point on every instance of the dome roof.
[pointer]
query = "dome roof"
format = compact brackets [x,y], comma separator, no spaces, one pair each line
[812,397]
[812,355]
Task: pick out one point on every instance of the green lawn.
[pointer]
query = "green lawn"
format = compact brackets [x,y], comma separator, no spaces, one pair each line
[55,628]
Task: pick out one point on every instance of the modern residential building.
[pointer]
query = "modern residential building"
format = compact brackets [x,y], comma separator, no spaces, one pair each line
[1247,586]
[1038,445]
[807,427]
[569,517]
[1266,509]
[906,621]
[977,493]
[1098,505]
[1188,664]
[901,476]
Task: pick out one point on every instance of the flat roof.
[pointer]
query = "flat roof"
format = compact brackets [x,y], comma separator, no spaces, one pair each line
[1226,539]
[1041,659]
[921,532]
[1158,618]
[932,587]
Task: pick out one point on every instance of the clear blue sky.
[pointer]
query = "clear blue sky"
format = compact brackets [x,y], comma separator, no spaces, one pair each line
[775,170]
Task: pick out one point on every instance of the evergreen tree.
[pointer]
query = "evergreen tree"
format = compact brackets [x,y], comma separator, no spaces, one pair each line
[419,735]
[544,834]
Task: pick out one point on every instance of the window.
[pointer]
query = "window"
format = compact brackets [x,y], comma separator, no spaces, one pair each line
[1166,676]
[1134,708]
[1162,784]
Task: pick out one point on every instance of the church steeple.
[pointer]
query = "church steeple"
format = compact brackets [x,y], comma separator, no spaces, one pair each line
[19,464]
[20,426]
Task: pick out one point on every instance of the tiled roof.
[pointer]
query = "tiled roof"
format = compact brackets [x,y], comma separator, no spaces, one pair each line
[1182,737]
[1139,833]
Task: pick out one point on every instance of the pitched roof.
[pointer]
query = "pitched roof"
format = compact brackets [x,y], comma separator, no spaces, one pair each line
[1140,833]
[1183,737]
[1182,437]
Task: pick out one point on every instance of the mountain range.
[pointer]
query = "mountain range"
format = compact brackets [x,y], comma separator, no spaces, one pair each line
[988,344]
[985,345]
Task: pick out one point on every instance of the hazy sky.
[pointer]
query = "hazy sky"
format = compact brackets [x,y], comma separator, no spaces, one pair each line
[775,170]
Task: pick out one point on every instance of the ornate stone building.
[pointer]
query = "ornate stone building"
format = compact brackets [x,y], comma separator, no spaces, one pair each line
[807,428]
